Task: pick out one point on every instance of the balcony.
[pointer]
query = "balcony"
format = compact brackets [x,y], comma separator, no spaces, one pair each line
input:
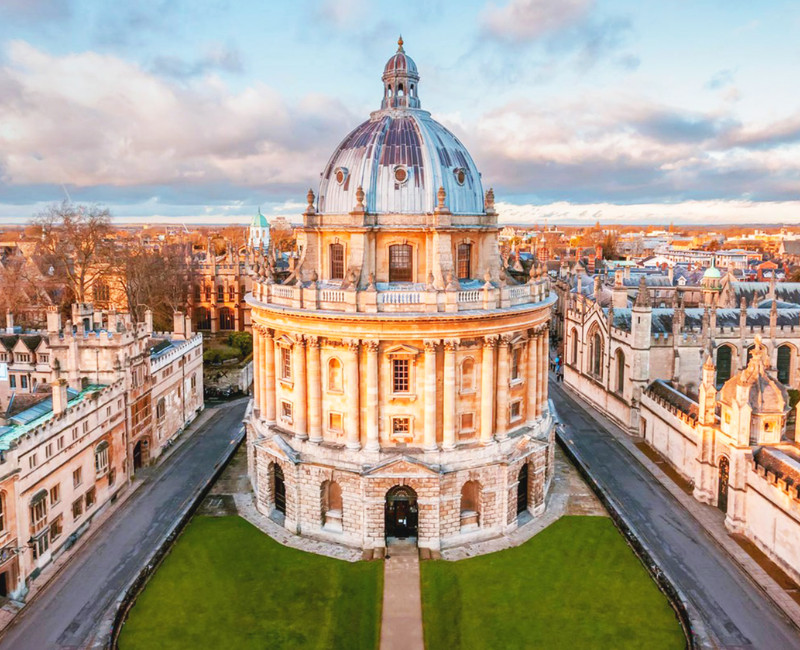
[401,297]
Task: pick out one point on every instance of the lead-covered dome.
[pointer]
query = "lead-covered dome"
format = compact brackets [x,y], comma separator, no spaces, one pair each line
[400,157]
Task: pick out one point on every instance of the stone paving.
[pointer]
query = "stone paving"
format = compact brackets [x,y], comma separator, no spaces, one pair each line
[401,621]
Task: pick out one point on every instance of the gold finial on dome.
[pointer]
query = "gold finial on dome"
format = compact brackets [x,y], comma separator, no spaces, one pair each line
[400,43]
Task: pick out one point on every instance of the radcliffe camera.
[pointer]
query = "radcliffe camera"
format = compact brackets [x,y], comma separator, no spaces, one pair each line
[366,326]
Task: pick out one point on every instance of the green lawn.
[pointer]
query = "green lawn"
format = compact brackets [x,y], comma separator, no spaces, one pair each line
[575,585]
[228,585]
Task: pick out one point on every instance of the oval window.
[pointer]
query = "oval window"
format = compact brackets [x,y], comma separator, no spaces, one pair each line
[460,174]
[400,174]
[340,174]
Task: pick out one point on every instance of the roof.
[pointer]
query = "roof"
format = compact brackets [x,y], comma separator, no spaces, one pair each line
[400,157]
[784,463]
[666,393]
[791,246]
[259,221]
[784,291]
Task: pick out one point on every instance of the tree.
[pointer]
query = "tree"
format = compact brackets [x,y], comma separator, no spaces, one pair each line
[75,241]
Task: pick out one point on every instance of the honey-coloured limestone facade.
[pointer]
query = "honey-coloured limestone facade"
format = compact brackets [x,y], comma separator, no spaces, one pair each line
[400,384]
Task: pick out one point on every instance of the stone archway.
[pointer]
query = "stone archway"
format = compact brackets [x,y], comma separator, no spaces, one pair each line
[401,514]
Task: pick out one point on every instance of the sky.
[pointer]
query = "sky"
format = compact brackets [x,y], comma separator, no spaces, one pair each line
[574,110]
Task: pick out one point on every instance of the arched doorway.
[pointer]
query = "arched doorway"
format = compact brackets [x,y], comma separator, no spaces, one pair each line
[522,490]
[401,512]
[722,487]
[137,456]
[280,490]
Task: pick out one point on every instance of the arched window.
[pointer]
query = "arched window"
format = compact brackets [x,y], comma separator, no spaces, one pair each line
[161,409]
[400,259]
[596,354]
[784,364]
[468,375]
[335,375]
[278,488]
[464,261]
[2,512]
[522,489]
[337,261]
[202,318]
[620,371]
[574,337]
[331,498]
[724,356]
[226,319]
[470,505]
[516,363]
[101,458]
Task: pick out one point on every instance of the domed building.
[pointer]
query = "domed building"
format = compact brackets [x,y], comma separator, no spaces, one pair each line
[400,372]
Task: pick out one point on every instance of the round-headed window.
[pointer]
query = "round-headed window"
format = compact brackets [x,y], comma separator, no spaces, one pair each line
[460,175]
[400,174]
[340,174]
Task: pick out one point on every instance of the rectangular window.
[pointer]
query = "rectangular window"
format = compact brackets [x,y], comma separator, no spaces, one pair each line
[400,263]
[24,381]
[38,513]
[286,363]
[56,528]
[91,497]
[101,459]
[220,293]
[40,546]
[31,461]
[337,261]
[516,410]
[55,494]
[401,427]
[74,433]
[48,450]
[12,381]
[401,378]
[335,422]
[44,358]
[60,443]
[516,358]
[464,260]
[77,477]
[86,426]
[77,508]
[286,411]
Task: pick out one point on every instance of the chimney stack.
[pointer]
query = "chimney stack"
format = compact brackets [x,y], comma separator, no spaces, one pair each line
[53,320]
[178,325]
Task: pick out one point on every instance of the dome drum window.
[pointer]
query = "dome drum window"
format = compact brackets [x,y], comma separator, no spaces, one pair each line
[400,174]
[340,174]
[460,174]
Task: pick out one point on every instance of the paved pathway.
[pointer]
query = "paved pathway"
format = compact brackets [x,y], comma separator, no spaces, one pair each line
[66,614]
[734,611]
[401,622]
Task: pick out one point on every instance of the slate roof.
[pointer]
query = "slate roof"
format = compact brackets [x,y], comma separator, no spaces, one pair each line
[31,342]
[784,291]
[784,463]
[662,318]
[791,246]
[663,391]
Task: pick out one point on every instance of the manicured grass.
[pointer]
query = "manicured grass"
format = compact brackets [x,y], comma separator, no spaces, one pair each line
[228,585]
[575,585]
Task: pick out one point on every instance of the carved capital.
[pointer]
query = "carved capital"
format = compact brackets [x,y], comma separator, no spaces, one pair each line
[430,345]
[505,339]
[312,341]
[352,344]
[372,346]
[451,345]
[489,341]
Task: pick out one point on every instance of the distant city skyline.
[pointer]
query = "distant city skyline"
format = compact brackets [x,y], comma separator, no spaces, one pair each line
[574,110]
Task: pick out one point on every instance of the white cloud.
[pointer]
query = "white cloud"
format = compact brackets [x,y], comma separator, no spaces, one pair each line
[90,119]
[524,20]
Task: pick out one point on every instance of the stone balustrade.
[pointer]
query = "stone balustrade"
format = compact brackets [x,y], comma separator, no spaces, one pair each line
[312,297]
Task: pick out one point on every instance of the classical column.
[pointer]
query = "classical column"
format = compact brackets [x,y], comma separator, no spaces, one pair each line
[300,389]
[502,387]
[314,391]
[430,395]
[373,441]
[268,383]
[532,371]
[545,368]
[258,360]
[449,397]
[352,389]
[541,370]
[487,390]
